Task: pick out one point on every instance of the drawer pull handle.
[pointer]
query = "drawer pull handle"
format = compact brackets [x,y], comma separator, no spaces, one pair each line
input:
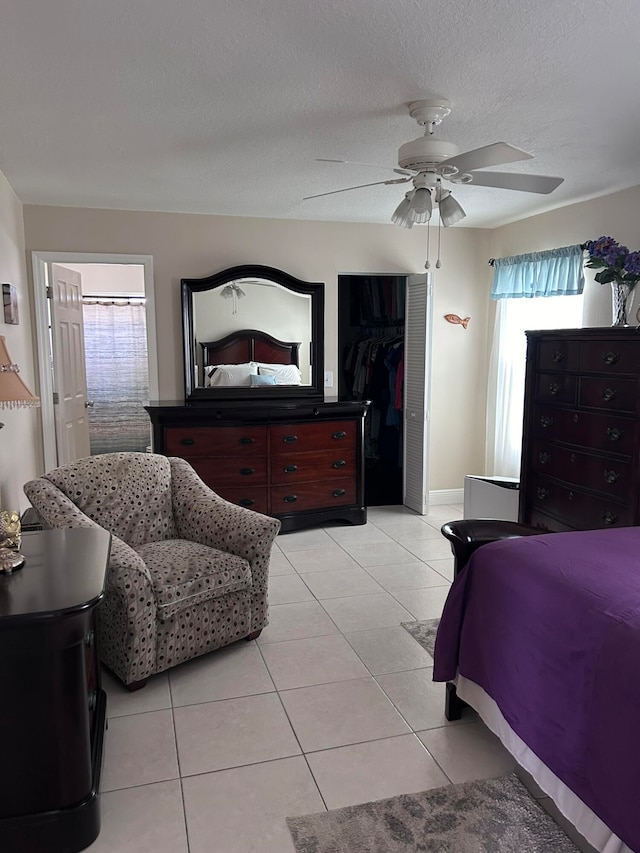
[92,700]
[290,499]
[546,421]
[187,441]
[610,357]
[290,469]
[609,517]
[572,458]
[246,502]
[339,434]
[338,493]
[339,463]
[609,394]
[542,493]
[246,472]
[611,476]
[544,457]
[289,439]
[614,434]
[90,638]
[553,388]
[571,496]
[558,356]
[247,440]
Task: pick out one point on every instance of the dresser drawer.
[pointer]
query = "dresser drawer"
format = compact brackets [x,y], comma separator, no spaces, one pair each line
[556,388]
[609,476]
[319,465]
[611,356]
[608,392]
[608,433]
[577,508]
[189,442]
[546,523]
[232,470]
[558,355]
[323,494]
[251,497]
[323,435]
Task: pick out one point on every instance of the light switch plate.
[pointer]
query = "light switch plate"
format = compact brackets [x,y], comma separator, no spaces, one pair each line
[328,379]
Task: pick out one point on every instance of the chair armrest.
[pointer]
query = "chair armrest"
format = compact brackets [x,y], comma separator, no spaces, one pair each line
[203,516]
[469,534]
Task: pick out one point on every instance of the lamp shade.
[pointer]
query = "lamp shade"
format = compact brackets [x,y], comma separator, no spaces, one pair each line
[14,393]
[450,210]
[420,205]
[402,213]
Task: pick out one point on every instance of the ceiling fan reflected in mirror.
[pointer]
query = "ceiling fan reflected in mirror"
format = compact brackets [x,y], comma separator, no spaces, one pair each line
[426,162]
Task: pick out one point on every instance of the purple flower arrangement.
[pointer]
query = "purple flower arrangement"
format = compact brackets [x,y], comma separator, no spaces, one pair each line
[614,262]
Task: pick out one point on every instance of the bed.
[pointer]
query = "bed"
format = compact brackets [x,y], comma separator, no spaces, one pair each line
[541,635]
[236,358]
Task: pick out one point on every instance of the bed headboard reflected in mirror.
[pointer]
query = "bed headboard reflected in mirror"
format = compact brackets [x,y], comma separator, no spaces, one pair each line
[252,332]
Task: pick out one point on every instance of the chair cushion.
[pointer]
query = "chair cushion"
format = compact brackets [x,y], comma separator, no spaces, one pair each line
[186,573]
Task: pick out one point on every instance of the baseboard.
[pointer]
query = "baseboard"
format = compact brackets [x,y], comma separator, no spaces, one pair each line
[446,496]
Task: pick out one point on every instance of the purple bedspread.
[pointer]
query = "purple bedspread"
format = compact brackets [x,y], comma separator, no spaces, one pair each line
[549,627]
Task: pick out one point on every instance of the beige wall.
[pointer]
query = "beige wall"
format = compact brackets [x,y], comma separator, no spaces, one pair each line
[20,439]
[191,246]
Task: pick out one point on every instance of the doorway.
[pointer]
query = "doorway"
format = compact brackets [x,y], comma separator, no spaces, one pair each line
[52,369]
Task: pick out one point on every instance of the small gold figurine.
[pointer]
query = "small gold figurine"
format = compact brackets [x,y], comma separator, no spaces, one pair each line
[10,541]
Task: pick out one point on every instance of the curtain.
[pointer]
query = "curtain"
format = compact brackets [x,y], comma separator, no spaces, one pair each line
[556,272]
[117,375]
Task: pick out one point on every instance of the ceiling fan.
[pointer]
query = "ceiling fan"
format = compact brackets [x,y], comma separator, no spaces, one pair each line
[427,162]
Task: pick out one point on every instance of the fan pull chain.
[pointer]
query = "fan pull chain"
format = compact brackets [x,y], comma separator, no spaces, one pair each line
[439,262]
[427,266]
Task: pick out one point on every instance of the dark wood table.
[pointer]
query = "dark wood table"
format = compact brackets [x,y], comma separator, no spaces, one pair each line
[52,706]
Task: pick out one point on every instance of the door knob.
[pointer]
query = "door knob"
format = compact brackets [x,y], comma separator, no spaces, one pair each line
[89,404]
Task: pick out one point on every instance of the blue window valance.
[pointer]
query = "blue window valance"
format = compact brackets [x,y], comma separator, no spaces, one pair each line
[556,272]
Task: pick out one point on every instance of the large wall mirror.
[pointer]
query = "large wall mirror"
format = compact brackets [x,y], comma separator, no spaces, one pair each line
[252,332]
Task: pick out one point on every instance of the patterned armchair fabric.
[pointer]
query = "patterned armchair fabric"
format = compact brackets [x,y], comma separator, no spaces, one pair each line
[188,571]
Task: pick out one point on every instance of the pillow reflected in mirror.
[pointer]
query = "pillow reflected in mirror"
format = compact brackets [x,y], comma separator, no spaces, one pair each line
[284,374]
[222,375]
[262,380]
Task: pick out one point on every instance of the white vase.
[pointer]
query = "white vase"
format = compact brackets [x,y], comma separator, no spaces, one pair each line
[621,298]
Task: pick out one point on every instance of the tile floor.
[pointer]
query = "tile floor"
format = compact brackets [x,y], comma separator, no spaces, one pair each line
[333,704]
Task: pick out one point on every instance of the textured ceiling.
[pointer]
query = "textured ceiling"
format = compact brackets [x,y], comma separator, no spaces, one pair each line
[223,106]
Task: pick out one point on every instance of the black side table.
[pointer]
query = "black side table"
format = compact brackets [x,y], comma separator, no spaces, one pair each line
[52,706]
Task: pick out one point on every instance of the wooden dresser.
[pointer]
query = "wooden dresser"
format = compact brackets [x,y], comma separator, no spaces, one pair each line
[302,462]
[581,441]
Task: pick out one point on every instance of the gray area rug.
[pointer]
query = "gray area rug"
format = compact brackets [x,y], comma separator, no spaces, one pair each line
[424,632]
[489,816]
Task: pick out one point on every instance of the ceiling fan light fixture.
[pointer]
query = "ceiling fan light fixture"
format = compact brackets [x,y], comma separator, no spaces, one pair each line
[402,214]
[450,211]
[421,205]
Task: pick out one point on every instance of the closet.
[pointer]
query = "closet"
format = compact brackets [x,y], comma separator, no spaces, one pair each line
[371,342]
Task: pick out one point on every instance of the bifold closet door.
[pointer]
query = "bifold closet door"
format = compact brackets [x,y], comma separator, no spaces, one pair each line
[417,371]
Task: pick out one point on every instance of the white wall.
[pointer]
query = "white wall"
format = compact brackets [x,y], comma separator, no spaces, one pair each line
[110,279]
[20,439]
[193,246]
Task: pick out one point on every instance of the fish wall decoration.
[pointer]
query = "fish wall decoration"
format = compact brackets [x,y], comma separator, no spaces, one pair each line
[458,321]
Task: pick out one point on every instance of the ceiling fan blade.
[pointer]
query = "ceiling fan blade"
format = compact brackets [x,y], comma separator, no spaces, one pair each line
[357,163]
[358,187]
[510,181]
[489,155]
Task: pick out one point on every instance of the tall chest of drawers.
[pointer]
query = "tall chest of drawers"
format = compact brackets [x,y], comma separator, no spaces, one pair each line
[303,463]
[581,439]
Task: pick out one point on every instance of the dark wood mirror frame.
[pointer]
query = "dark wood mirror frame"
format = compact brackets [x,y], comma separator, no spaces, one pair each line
[314,390]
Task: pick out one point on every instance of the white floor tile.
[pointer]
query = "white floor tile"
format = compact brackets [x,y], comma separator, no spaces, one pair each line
[296,621]
[443,567]
[362,612]
[304,540]
[279,565]
[389,650]
[325,560]
[237,670]
[146,818]
[423,603]
[338,714]
[154,696]
[419,699]
[414,575]
[383,554]
[468,752]
[231,733]
[363,534]
[139,749]
[408,529]
[374,770]
[317,660]
[244,810]
[340,583]
[429,549]
[285,589]
[379,514]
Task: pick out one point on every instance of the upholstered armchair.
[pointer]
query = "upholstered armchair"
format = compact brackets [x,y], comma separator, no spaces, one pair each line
[188,571]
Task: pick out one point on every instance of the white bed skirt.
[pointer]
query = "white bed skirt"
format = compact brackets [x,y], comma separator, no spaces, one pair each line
[586,822]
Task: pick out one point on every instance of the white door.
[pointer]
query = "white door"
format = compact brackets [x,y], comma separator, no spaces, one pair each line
[69,373]
[417,349]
